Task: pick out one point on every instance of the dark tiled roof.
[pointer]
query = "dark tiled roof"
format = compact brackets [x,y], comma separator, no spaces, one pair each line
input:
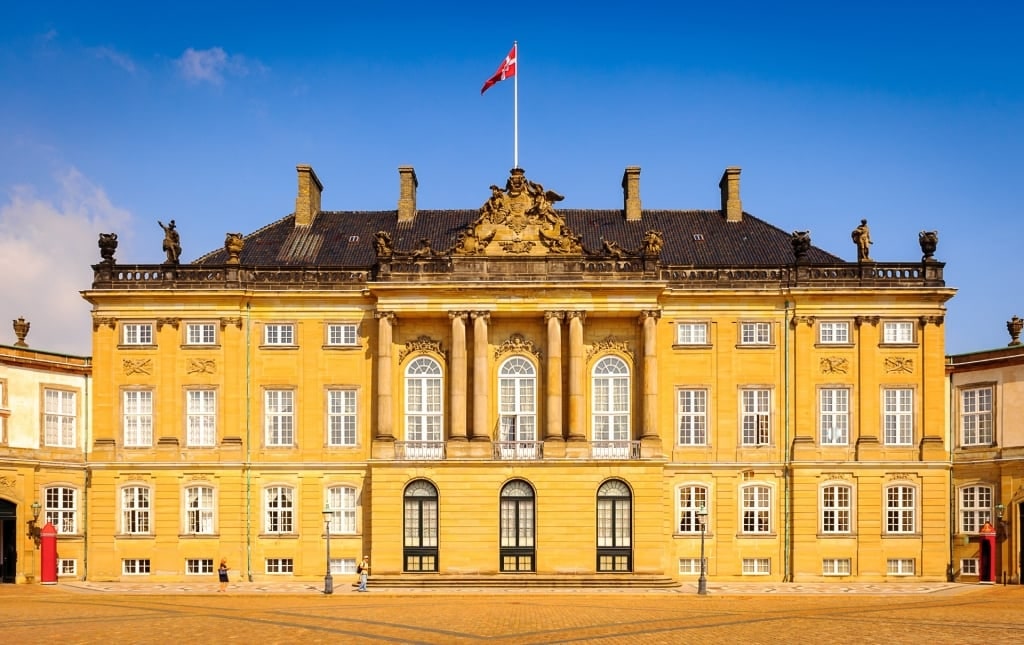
[692,237]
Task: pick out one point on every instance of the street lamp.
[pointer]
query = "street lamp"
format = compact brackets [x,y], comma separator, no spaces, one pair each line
[34,530]
[702,582]
[328,579]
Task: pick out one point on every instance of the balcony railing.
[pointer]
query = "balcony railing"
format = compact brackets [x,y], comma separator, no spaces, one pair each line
[419,450]
[615,449]
[518,450]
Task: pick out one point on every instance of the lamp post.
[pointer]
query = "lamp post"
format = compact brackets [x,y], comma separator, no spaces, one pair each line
[702,582]
[34,530]
[328,579]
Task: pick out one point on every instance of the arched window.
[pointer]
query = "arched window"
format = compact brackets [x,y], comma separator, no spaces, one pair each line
[420,542]
[757,509]
[900,507]
[610,408]
[691,500]
[279,510]
[61,509]
[614,527]
[836,508]
[517,527]
[199,510]
[424,400]
[975,508]
[341,500]
[517,400]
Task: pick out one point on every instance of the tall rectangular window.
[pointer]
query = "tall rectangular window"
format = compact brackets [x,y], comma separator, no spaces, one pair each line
[279,417]
[836,507]
[341,500]
[691,500]
[135,510]
[342,335]
[692,333]
[757,506]
[279,510]
[834,416]
[138,418]
[898,332]
[199,510]
[899,416]
[693,417]
[201,417]
[899,509]
[60,414]
[279,334]
[137,333]
[755,333]
[975,508]
[61,509]
[341,417]
[834,333]
[200,334]
[755,406]
[976,416]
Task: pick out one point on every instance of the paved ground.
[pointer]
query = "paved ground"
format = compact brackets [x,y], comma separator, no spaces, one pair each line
[300,613]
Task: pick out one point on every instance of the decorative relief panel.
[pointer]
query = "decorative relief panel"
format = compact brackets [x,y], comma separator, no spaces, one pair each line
[7,482]
[835,476]
[421,344]
[137,366]
[609,344]
[834,365]
[201,366]
[517,344]
[902,476]
[899,365]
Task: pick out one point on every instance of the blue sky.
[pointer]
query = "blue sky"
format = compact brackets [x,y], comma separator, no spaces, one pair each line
[908,114]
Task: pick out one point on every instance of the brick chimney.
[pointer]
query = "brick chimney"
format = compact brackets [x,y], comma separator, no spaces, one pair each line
[307,202]
[631,193]
[406,193]
[732,207]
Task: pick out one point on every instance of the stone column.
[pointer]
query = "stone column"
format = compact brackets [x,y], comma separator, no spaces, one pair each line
[459,369]
[649,320]
[385,402]
[481,387]
[577,413]
[553,431]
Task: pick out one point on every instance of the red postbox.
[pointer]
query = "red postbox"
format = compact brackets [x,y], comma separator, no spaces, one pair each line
[987,562]
[48,555]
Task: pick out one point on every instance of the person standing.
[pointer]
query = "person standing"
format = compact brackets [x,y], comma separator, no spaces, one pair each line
[364,573]
[222,575]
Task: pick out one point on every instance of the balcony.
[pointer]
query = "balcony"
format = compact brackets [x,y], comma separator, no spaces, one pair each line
[518,450]
[614,449]
[419,450]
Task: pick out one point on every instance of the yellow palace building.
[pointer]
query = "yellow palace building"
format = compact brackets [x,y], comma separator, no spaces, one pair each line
[517,392]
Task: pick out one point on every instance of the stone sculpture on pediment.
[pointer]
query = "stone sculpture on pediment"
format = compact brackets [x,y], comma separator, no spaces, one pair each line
[108,245]
[654,241]
[383,244]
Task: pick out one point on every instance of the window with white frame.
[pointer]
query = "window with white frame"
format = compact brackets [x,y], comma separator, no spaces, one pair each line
[975,508]
[610,412]
[693,417]
[899,416]
[757,566]
[341,501]
[834,416]
[836,508]
[135,567]
[342,566]
[834,333]
[969,567]
[692,333]
[341,417]
[59,418]
[199,507]
[137,333]
[755,408]
[691,500]
[424,403]
[67,567]
[198,566]
[279,417]
[899,332]
[200,333]
[689,566]
[755,333]
[899,566]
[342,335]
[280,565]
[138,418]
[757,507]
[835,567]
[135,510]
[279,510]
[279,334]
[61,508]
[201,417]
[900,509]
[517,400]
[976,416]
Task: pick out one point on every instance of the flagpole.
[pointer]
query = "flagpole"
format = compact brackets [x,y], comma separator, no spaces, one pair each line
[515,94]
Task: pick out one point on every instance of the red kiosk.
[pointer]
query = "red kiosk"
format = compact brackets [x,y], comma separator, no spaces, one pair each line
[987,553]
[48,555]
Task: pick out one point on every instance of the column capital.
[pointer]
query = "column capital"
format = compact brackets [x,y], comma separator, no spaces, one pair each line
[860,320]
[458,314]
[484,315]
[384,315]
[935,320]
[548,315]
[649,313]
[581,315]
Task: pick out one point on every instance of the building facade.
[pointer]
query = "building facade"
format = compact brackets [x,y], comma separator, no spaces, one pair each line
[986,407]
[519,391]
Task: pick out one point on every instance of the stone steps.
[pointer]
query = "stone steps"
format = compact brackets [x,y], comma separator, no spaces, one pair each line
[524,581]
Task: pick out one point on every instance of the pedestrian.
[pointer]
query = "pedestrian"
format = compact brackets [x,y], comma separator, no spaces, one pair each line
[222,575]
[364,573]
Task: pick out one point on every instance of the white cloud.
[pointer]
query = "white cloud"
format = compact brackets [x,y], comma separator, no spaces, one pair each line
[212,65]
[47,246]
[121,60]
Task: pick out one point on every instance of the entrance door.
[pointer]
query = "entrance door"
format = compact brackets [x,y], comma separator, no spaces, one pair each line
[8,541]
[985,560]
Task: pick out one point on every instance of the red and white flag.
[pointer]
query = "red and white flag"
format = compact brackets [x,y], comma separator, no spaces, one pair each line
[507,69]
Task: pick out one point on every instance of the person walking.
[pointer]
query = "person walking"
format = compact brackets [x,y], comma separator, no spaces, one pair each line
[222,575]
[364,573]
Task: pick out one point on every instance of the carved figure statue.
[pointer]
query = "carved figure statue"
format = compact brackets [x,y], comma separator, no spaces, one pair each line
[862,238]
[172,242]
[423,250]
[495,210]
[470,243]
[233,244]
[928,240]
[383,244]
[654,241]
[108,244]
[612,248]
[801,243]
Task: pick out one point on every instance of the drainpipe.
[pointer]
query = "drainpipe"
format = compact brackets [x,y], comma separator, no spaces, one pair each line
[248,441]
[787,474]
[87,483]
